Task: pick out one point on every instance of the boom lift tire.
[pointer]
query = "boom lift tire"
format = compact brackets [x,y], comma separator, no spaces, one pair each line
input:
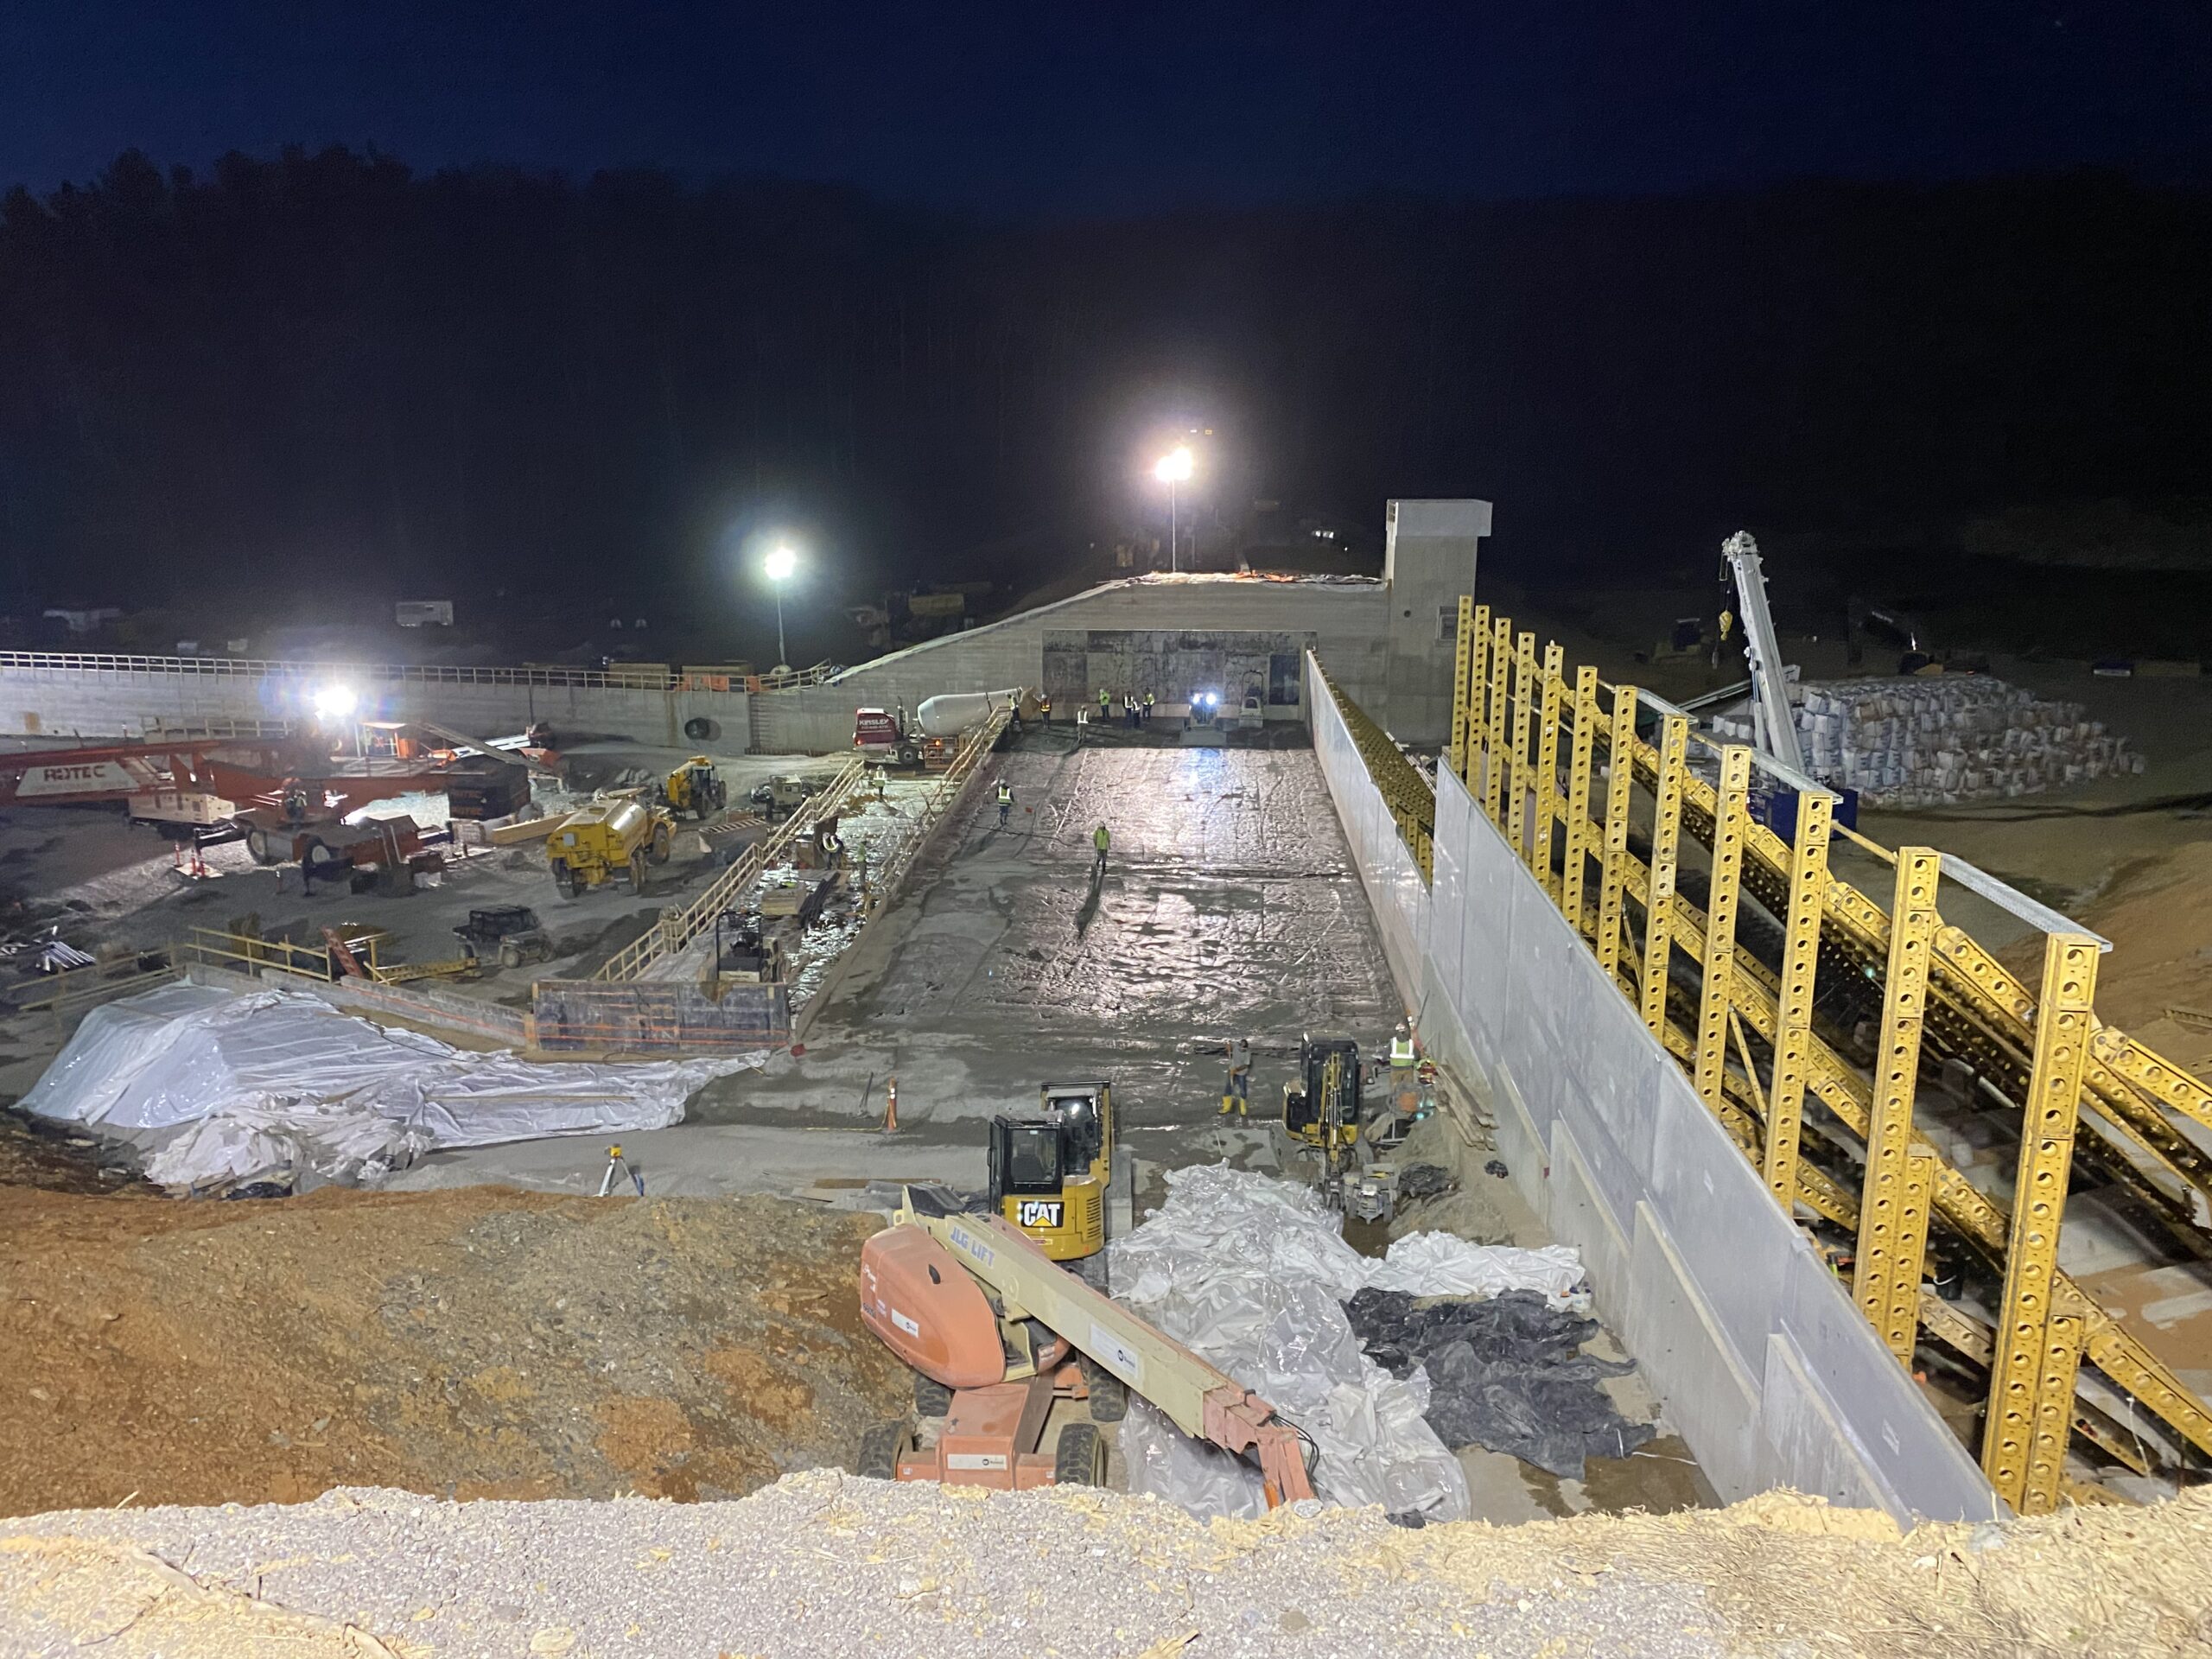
[883,1446]
[1080,1458]
[258,847]
[1109,1396]
[931,1397]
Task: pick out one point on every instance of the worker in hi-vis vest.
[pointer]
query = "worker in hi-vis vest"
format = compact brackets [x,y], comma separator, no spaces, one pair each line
[1102,841]
[1005,800]
[1237,1092]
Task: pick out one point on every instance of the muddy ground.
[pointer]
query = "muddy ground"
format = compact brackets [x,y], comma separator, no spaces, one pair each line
[476,1343]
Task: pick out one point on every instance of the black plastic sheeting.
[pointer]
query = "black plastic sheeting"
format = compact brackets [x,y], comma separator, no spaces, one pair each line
[1507,1373]
[1426,1181]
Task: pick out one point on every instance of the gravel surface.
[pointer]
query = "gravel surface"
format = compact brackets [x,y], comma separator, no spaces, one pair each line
[822,1563]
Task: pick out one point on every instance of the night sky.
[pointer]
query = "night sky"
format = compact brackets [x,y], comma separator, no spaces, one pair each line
[1068,109]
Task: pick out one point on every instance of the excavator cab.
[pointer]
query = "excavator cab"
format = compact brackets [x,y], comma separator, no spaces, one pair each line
[1321,1107]
[1049,1173]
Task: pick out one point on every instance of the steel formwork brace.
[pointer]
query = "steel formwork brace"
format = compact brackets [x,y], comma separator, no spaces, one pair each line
[1666,849]
[1463,656]
[1477,697]
[1580,752]
[1620,776]
[1717,980]
[1516,764]
[1893,1202]
[1501,662]
[1979,1011]
[1969,1006]
[1800,943]
[2039,1344]
[1540,845]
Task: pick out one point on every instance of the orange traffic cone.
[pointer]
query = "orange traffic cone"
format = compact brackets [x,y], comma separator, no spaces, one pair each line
[891,1108]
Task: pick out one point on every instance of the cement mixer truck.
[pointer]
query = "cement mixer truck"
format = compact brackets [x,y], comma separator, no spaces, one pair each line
[928,738]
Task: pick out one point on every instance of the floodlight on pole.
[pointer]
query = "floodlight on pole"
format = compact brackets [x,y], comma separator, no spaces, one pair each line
[780,566]
[1175,467]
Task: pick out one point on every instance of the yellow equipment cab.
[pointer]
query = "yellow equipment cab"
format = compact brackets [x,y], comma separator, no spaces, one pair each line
[1050,1173]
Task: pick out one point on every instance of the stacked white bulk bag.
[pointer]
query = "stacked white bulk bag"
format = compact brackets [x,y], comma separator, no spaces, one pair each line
[1907,741]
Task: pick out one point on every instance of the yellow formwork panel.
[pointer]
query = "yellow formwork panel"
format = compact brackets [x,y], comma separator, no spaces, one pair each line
[1721,924]
[1554,694]
[1580,755]
[1801,941]
[1893,1202]
[1620,776]
[2038,1345]
[1666,847]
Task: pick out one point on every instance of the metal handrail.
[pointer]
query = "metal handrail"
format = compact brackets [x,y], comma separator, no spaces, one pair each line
[671,933]
[268,668]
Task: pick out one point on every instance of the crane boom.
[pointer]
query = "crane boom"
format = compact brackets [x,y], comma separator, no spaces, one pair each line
[1204,1403]
[1776,731]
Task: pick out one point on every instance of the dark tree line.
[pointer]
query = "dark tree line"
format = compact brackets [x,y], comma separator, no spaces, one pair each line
[324,366]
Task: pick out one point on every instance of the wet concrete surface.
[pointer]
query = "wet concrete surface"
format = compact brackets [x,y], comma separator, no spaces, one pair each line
[1229,905]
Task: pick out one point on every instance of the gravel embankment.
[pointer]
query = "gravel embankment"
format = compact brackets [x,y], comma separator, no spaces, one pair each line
[822,1563]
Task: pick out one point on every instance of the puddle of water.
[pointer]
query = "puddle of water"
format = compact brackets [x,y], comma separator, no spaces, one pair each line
[1367,1237]
[1660,1477]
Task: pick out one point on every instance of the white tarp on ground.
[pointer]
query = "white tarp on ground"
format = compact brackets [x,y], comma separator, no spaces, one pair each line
[1251,1274]
[223,1087]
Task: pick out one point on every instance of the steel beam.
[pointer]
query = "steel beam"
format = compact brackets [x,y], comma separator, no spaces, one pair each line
[1580,752]
[1620,776]
[1800,950]
[1717,982]
[1666,849]
[2039,1344]
[1893,1202]
[1477,687]
[1555,692]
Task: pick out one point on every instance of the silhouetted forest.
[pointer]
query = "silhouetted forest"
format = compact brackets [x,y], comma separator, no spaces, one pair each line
[323,369]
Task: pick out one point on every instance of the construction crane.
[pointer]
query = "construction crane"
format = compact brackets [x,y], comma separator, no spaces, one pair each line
[1774,731]
[975,1307]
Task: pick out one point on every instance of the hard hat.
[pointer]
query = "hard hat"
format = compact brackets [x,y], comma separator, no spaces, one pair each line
[1401,1027]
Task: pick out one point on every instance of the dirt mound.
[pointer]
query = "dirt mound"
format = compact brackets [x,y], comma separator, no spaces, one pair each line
[2158,912]
[472,1343]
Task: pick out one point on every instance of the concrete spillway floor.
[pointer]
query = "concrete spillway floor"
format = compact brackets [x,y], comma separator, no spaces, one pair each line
[1229,905]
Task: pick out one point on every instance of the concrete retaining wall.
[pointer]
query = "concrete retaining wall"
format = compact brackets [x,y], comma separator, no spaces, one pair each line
[1766,1366]
[111,703]
[658,1016]
[1389,643]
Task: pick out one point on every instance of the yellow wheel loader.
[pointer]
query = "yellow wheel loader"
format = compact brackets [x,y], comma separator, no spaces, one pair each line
[696,787]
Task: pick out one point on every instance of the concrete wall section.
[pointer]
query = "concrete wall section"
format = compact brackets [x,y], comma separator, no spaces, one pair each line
[1344,618]
[1399,897]
[1429,555]
[657,1017]
[102,704]
[1767,1367]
